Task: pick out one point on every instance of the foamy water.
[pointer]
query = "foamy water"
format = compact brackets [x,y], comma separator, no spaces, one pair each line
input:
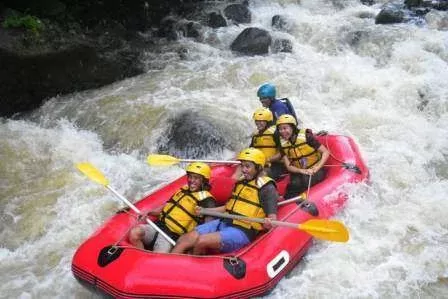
[383,85]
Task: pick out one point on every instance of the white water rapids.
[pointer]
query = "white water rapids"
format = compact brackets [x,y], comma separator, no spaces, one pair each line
[385,85]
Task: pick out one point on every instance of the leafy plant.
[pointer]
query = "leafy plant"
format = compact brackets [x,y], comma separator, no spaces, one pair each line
[28,22]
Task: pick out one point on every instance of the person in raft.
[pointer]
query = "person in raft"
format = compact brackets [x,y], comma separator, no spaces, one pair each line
[302,154]
[178,215]
[254,195]
[266,139]
[266,94]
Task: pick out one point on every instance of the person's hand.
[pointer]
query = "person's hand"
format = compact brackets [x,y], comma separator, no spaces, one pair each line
[198,210]
[267,224]
[309,171]
[145,214]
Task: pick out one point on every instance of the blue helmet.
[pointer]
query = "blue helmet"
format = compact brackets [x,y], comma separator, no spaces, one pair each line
[266,91]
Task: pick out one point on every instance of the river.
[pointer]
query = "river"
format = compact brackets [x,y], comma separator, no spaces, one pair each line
[384,85]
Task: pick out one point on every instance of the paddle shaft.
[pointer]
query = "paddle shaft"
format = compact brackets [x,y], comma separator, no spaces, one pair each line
[134,208]
[210,161]
[251,219]
[319,228]
[294,199]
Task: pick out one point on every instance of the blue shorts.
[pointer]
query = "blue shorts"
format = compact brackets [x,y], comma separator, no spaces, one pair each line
[232,238]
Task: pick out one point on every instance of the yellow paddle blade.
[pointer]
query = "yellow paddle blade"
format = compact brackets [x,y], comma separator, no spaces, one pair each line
[92,173]
[162,160]
[326,229]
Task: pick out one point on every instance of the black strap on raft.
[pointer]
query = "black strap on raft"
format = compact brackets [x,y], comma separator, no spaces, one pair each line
[309,207]
[109,254]
[235,266]
[351,167]
[123,210]
[322,133]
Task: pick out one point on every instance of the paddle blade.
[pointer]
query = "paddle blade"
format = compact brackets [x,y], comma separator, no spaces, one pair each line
[92,173]
[162,160]
[330,230]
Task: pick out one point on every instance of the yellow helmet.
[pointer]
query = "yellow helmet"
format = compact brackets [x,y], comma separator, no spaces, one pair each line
[253,155]
[200,168]
[286,119]
[263,114]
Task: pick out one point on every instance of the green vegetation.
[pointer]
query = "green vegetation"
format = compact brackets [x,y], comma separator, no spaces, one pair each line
[29,22]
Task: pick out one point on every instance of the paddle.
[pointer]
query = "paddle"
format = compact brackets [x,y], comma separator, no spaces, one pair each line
[166,160]
[294,199]
[329,230]
[95,175]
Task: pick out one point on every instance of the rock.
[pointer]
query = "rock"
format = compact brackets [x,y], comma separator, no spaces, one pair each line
[437,20]
[281,23]
[390,14]
[282,45]
[192,135]
[252,41]
[216,20]
[238,13]
[30,76]
[368,2]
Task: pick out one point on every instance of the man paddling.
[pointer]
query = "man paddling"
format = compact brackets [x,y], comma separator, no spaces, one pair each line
[178,215]
[254,195]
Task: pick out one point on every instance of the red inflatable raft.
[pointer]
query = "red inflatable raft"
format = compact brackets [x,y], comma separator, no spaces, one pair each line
[108,264]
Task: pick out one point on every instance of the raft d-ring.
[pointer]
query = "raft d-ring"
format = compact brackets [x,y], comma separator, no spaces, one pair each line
[233,261]
[112,250]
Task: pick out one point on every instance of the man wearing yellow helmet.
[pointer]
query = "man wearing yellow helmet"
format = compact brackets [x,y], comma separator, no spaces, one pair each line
[178,215]
[302,154]
[266,139]
[254,195]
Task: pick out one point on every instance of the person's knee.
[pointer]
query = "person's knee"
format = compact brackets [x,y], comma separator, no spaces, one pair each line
[136,234]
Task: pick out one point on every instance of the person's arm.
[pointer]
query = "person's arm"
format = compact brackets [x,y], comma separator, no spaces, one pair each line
[312,141]
[274,158]
[291,168]
[208,203]
[220,209]
[153,212]
[325,155]
[268,199]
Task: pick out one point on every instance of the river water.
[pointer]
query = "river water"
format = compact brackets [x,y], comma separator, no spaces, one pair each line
[386,86]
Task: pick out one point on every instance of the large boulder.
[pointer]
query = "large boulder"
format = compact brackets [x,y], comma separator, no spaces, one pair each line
[31,75]
[194,135]
[252,41]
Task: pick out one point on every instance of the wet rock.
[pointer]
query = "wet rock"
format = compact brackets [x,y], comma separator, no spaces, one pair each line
[252,41]
[28,78]
[281,23]
[238,13]
[190,29]
[192,135]
[282,45]
[216,20]
[168,29]
[368,2]
[437,20]
[390,14]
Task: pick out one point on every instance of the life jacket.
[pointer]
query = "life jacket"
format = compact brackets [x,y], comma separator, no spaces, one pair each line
[300,153]
[245,201]
[178,214]
[265,142]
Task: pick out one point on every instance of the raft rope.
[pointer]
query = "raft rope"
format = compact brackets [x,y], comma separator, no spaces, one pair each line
[349,166]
